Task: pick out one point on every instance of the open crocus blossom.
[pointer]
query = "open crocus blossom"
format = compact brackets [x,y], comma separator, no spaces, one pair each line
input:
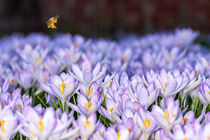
[9,124]
[87,125]
[86,75]
[146,122]
[168,116]
[36,126]
[60,86]
[170,84]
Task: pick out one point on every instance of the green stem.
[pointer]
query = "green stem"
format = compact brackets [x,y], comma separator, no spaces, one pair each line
[41,101]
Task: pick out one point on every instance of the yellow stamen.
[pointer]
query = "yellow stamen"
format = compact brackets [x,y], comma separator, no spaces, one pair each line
[36,59]
[87,124]
[69,55]
[11,82]
[146,123]
[20,107]
[135,110]
[41,125]
[170,55]
[111,109]
[196,72]
[2,125]
[124,58]
[102,134]
[90,91]
[185,138]
[185,120]
[130,130]
[166,114]
[166,84]
[102,93]
[87,107]
[45,79]
[118,135]
[2,104]
[174,115]
[61,87]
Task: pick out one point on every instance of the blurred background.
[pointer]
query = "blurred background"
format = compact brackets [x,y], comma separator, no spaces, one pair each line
[104,17]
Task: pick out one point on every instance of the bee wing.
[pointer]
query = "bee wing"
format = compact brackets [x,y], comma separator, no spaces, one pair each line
[56,17]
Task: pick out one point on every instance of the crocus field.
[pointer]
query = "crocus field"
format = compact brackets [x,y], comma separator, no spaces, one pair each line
[155,86]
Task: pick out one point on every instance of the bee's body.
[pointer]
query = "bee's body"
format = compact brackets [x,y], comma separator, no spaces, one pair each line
[51,22]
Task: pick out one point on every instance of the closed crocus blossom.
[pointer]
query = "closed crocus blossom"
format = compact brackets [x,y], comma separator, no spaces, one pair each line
[87,125]
[4,86]
[36,126]
[60,86]
[25,78]
[146,96]
[204,94]
[169,115]
[9,124]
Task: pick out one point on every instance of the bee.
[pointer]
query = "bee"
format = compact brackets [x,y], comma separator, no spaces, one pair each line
[51,22]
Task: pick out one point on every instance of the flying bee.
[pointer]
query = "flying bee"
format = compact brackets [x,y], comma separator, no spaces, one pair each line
[51,22]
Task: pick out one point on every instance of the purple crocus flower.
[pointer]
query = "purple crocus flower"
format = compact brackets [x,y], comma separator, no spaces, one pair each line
[169,115]
[86,75]
[60,86]
[85,106]
[146,96]
[25,78]
[146,122]
[171,84]
[9,124]
[122,134]
[189,117]
[87,125]
[52,65]
[67,56]
[111,112]
[40,126]
[204,94]
[5,86]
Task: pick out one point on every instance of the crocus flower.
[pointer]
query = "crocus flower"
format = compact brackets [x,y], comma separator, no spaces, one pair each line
[146,96]
[87,125]
[122,134]
[171,84]
[25,78]
[9,124]
[168,116]
[85,106]
[146,122]
[204,94]
[60,86]
[86,75]
[4,86]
